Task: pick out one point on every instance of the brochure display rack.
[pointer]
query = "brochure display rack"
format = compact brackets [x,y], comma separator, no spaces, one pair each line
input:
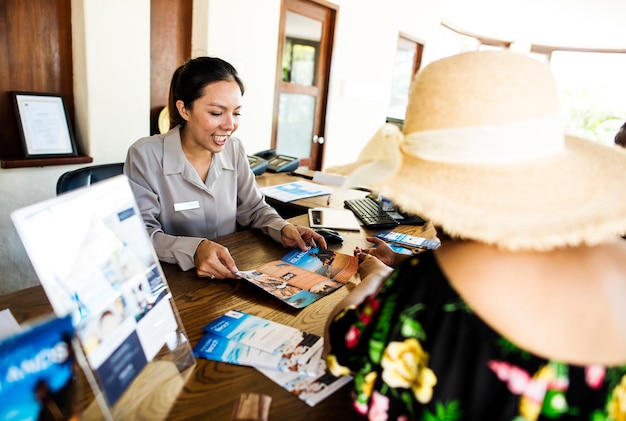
[96,263]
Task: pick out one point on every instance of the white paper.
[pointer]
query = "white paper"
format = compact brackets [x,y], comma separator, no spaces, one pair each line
[289,192]
[8,325]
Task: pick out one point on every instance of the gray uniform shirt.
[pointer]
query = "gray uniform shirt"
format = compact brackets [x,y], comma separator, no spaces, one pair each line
[180,210]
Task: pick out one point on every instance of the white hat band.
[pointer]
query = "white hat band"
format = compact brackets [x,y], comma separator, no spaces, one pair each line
[488,144]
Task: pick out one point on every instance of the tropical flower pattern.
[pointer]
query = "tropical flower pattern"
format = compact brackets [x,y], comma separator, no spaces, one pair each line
[418,352]
[405,366]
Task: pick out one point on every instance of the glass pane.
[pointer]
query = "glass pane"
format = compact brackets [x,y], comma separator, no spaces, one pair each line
[588,87]
[401,84]
[299,62]
[295,125]
[303,65]
[302,41]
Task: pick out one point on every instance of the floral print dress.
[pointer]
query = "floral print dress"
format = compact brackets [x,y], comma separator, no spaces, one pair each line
[418,352]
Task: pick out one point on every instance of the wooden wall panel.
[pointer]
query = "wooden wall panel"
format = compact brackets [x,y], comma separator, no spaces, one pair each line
[36,56]
[170,39]
[36,51]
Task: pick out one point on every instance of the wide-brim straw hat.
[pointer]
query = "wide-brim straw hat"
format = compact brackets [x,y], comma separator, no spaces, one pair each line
[483,155]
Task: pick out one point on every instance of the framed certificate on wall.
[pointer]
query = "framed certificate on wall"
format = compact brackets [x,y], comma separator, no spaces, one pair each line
[43,125]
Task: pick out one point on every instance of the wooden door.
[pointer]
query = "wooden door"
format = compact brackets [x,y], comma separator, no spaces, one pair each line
[304,58]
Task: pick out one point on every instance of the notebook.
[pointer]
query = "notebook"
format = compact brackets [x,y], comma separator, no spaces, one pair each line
[339,219]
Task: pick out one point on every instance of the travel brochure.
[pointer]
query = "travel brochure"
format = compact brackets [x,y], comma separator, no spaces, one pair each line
[37,372]
[302,277]
[288,356]
[244,339]
[407,241]
[296,190]
[311,390]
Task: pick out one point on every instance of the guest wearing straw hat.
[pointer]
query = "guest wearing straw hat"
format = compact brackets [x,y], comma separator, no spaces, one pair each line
[520,314]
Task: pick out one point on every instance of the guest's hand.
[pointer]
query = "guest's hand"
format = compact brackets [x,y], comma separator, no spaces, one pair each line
[372,267]
[382,252]
[302,237]
[213,260]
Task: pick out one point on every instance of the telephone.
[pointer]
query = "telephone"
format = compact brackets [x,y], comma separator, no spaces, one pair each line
[279,163]
[258,165]
[266,154]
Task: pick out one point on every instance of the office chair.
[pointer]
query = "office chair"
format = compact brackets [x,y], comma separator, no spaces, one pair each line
[87,175]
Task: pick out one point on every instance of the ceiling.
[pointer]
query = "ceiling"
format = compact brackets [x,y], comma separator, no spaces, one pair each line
[595,24]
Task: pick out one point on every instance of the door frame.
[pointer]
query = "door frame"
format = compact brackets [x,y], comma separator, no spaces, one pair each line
[326,13]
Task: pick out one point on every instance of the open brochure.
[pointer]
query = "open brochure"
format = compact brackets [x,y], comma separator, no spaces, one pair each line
[302,277]
[286,355]
[244,339]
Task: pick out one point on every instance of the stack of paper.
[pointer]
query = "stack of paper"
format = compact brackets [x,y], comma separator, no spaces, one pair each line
[288,356]
[244,339]
[296,190]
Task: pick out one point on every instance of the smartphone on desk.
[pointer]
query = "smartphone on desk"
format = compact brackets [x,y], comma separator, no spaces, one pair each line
[406,240]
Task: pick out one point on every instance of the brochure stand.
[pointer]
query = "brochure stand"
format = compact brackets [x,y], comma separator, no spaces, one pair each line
[95,261]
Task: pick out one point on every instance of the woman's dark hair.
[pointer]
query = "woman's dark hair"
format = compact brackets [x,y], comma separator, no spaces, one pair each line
[620,137]
[190,79]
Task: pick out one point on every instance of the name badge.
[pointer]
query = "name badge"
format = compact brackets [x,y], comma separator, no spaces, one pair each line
[186,206]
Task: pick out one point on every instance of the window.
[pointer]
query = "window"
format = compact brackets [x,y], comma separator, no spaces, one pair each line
[588,81]
[590,85]
[406,63]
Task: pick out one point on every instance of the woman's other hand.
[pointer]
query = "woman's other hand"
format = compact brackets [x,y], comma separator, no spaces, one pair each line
[213,260]
[301,237]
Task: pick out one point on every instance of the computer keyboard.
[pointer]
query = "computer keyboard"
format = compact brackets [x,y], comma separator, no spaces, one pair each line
[370,213]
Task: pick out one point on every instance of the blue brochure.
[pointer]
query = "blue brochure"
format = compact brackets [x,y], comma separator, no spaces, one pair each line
[244,339]
[37,372]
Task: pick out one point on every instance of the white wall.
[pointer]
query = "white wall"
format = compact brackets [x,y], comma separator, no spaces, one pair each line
[245,33]
[112,101]
[112,92]
[362,65]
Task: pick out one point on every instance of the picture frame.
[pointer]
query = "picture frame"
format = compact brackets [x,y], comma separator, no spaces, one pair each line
[43,125]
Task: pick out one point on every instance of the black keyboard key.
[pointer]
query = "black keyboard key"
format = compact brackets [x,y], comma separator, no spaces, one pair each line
[370,213]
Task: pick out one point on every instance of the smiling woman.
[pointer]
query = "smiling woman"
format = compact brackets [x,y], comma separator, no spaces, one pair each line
[194,184]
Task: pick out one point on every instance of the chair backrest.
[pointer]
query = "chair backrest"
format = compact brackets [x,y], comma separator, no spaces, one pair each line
[88,175]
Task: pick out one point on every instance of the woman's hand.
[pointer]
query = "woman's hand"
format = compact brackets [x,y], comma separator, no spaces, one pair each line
[382,252]
[302,237]
[214,261]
